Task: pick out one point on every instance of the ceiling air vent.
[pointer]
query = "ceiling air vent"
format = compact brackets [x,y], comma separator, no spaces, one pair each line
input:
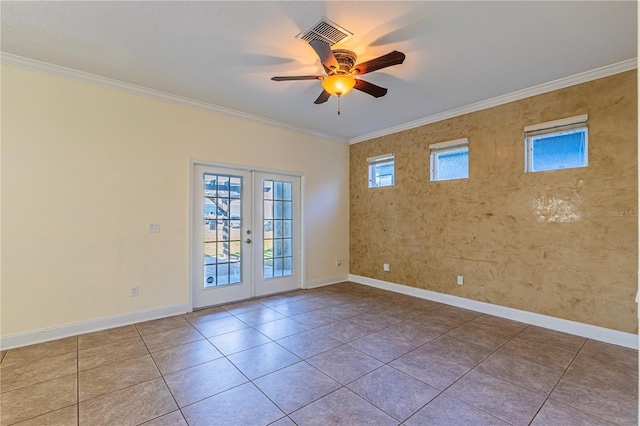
[325,30]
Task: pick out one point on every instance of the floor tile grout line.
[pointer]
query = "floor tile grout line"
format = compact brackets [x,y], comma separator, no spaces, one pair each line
[127,387]
[370,402]
[560,379]
[345,386]
[478,364]
[48,412]
[303,360]
[107,344]
[370,372]
[120,389]
[324,396]
[123,360]
[520,386]
[443,391]
[547,397]
[168,388]
[113,362]
[252,381]
[267,396]
[39,359]
[77,404]
[210,396]
[40,381]
[248,380]
[317,327]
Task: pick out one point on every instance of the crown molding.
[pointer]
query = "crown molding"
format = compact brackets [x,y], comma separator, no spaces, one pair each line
[109,83]
[85,77]
[509,97]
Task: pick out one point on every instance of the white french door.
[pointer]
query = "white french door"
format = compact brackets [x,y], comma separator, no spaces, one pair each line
[246,234]
[221,264]
[277,218]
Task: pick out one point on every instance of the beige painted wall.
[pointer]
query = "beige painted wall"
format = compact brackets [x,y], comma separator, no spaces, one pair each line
[85,169]
[549,243]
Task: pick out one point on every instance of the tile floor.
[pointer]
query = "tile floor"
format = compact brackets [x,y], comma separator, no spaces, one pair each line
[344,354]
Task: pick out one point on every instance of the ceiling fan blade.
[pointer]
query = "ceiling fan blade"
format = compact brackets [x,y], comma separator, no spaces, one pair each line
[324,97]
[327,57]
[298,77]
[370,88]
[393,58]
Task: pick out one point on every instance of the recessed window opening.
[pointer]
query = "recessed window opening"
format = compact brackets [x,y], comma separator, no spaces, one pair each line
[560,144]
[449,160]
[381,170]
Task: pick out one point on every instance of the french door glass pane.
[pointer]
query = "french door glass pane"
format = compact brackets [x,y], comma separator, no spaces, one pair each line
[222,229]
[277,235]
[277,267]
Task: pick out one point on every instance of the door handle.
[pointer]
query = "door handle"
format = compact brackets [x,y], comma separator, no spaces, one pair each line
[248,241]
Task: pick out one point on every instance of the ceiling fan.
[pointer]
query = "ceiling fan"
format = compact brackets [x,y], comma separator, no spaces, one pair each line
[339,64]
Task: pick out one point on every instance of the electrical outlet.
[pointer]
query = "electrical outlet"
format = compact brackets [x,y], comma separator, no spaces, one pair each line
[338,262]
[154,227]
[460,280]
[385,267]
[134,291]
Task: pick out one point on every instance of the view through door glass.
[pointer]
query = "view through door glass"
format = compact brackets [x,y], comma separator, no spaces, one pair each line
[277,229]
[222,233]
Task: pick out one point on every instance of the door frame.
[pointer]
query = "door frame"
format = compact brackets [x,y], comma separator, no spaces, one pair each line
[191,227]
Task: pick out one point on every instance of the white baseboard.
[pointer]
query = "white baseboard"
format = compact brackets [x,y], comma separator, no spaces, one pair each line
[602,334]
[327,281]
[16,340]
[615,337]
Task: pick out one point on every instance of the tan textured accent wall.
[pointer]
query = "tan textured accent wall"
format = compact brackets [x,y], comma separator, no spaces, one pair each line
[561,243]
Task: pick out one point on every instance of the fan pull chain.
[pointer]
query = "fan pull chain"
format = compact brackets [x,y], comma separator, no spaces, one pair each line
[339,104]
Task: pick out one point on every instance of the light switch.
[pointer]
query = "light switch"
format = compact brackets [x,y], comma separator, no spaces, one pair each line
[154,227]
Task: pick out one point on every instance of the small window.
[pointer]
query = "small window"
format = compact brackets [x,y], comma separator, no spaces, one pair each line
[450,160]
[381,170]
[560,144]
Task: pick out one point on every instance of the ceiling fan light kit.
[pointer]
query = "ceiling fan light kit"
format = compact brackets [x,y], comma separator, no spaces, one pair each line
[340,66]
[338,84]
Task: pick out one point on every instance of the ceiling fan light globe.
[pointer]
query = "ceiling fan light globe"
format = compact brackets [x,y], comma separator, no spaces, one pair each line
[338,84]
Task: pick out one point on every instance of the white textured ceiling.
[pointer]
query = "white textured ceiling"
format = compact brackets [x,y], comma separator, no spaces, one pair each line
[224,53]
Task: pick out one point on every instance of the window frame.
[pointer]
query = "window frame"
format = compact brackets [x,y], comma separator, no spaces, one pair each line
[378,160]
[448,146]
[549,128]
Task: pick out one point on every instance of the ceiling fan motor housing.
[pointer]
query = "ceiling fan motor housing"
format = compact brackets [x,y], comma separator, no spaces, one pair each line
[346,60]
